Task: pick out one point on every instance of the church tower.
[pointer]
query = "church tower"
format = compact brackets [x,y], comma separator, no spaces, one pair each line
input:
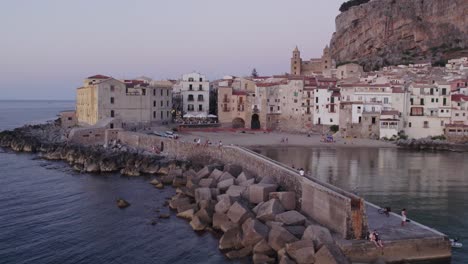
[326,60]
[296,62]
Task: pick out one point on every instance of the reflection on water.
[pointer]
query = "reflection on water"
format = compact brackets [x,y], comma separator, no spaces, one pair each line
[433,186]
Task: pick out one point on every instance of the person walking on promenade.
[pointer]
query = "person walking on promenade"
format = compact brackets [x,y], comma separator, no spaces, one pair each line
[403,217]
[220,144]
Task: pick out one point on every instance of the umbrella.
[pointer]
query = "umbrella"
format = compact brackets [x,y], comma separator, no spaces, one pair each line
[188,116]
[212,116]
[201,115]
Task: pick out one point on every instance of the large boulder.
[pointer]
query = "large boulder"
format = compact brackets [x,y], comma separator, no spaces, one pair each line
[238,213]
[318,234]
[206,216]
[190,174]
[286,260]
[202,194]
[279,237]
[176,173]
[330,254]
[262,247]
[121,203]
[167,179]
[301,251]
[287,199]
[235,191]
[224,203]
[231,239]
[253,231]
[178,201]
[259,192]
[225,184]
[197,223]
[268,210]
[247,183]
[291,218]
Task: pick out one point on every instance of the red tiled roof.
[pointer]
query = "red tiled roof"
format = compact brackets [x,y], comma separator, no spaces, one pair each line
[390,112]
[397,90]
[239,93]
[459,97]
[98,76]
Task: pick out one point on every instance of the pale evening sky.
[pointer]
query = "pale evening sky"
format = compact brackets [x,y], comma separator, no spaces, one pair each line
[47,47]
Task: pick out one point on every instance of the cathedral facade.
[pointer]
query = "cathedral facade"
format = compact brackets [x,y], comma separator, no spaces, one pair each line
[312,67]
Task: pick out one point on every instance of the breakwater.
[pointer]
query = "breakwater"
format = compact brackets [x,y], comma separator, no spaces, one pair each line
[430,144]
[265,208]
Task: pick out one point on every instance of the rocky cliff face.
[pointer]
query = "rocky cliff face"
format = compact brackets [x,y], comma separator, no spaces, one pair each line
[388,32]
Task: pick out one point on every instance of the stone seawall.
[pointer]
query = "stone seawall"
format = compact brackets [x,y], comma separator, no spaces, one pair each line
[340,211]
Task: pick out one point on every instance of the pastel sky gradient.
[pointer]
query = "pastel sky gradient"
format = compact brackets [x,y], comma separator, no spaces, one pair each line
[48,46]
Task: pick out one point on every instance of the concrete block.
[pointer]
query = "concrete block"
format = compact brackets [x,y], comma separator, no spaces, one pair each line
[231,239]
[219,220]
[226,176]
[269,210]
[260,192]
[253,231]
[262,259]
[202,194]
[233,169]
[279,237]
[301,251]
[205,215]
[235,191]
[223,205]
[225,184]
[286,260]
[243,176]
[291,218]
[188,214]
[241,253]
[247,183]
[318,234]
[330,254]
[297,231]
[262,247]
[205,172]
[215,174]
[238,213]
[287,199]
[197,224]
[208,182]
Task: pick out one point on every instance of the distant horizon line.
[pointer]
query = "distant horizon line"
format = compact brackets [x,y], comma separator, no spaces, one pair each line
[42,100]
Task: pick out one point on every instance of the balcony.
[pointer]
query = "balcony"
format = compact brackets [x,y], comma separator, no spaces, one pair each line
[226,101]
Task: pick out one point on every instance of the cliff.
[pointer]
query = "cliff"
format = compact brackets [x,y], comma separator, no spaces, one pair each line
[389,32]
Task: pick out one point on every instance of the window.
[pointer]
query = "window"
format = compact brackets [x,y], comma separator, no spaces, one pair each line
[154,103]
[444,101]
[417,111]
[422,101]
[411,101]
[278,108]
[154,92]
[316,100]
[167,92]
[162,114]
[190,98]
[385,100]
[112,100]
[161,92]
[271,108]
[200,108]
[200,87]
[201,79]
[167,114]
[373,120]
[162,103]
[441,122]
[432,100]
[143,91]
[167,103]
[154,114]
[200,98]
[190,87]
[69,118]
[190,107]
[444,91]
[112,113]
[190,79]
[112,88]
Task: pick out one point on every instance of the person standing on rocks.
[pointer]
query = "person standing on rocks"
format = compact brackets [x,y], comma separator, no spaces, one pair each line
[301,172]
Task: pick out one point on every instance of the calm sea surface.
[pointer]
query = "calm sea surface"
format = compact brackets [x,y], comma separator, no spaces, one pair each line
[50,214]
[432,186]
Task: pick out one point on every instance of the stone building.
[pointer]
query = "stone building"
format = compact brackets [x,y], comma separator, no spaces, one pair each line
[312,67]
[133,102]
[195,93]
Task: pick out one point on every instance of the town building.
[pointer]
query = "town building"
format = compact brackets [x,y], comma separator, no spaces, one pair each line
[195,93]
[314,66]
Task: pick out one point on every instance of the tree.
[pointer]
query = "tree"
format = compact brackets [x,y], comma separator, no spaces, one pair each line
[254,73]
[347,5]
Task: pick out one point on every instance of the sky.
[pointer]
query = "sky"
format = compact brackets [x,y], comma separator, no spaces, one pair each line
[48,47]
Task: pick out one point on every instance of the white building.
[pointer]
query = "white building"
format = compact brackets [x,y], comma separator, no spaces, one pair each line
[195,91]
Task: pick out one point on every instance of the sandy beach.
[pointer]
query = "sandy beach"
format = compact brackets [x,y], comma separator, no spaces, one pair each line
[252,139]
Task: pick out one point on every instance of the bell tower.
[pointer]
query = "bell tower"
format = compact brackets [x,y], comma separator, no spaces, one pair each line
[296,62]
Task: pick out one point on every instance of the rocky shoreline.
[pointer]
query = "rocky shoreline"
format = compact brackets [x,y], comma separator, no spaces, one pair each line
[431,144]
[47,142]
[255,218]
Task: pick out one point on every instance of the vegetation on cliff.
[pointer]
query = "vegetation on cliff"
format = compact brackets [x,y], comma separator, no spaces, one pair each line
[347,5]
